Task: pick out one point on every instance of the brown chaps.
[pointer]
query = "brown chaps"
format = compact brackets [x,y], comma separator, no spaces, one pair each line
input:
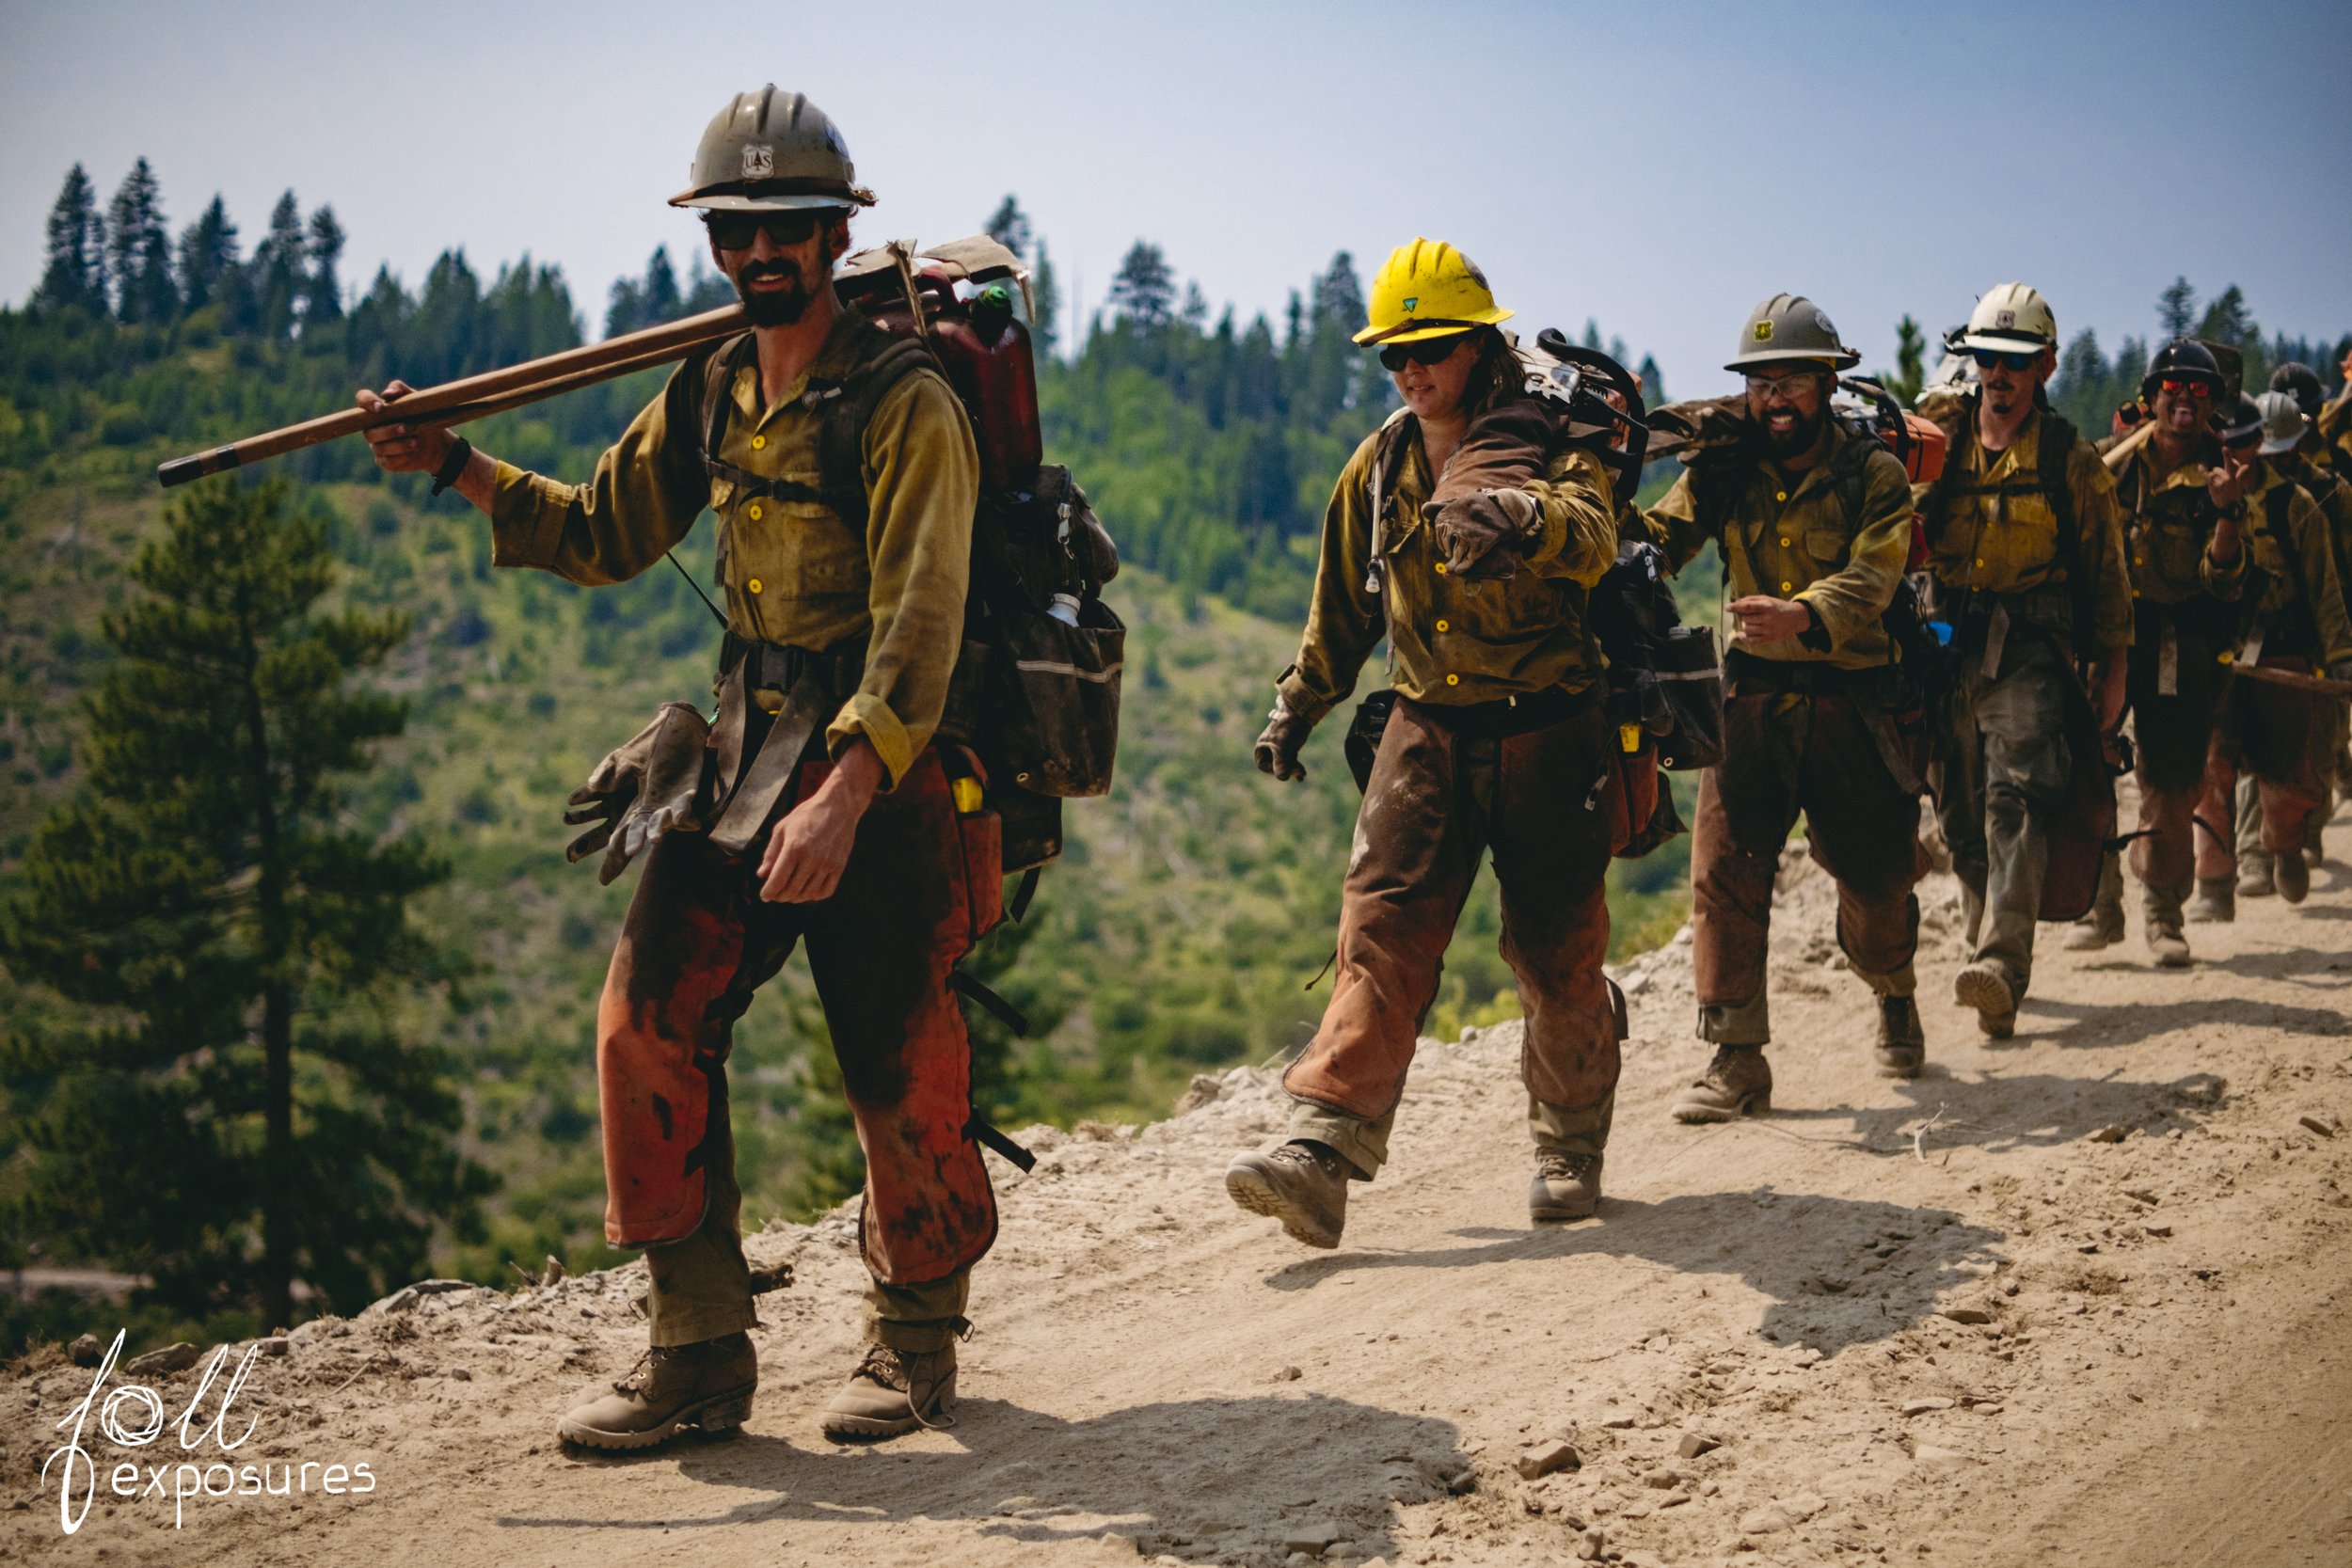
[2171,733]
[699,941]
[1550,804]
[1785,752]
[2280,736]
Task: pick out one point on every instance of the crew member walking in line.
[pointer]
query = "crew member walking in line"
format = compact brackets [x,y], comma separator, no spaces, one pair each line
[1497,740]
[2296,623]
[843,602]
[1813,522]
[2183,507]
[2026,548]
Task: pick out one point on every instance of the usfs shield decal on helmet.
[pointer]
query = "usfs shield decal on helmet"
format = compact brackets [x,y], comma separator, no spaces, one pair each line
[1413,303]
[1764,330]
[2003,318]
[759,160]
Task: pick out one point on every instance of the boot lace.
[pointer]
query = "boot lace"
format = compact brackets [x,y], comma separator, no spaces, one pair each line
[888,1369]
[1552,1166]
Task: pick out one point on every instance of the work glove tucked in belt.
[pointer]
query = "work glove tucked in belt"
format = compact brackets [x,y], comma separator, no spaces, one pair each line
[641,791]
[1482,533]
[1277,749]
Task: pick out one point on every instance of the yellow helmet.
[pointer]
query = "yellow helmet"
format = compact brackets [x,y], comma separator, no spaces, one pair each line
[1425,289]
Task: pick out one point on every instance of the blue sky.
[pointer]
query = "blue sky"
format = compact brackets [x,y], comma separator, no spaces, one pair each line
[1658,167]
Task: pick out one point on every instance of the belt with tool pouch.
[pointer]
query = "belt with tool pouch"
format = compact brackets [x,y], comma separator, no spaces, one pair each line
[1749,674]
[760,746]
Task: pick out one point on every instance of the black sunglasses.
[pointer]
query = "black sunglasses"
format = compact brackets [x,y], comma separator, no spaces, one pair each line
[1422,351]
[1988,357]
[741,231]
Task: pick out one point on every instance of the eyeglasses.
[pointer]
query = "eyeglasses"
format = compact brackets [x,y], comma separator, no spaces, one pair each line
[1421,351]
[2185,389]
[741,231]
[1785,386]
[1987,359]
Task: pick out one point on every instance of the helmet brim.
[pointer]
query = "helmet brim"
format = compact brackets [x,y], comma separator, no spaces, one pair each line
[2281,446]
[1829,364]
[1412,331]
[1997,342]
[735,198]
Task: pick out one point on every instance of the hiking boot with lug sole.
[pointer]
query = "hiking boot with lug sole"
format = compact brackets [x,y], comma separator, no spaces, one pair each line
[1903,1044]
[1737,1083]
[2090,934]
[672,1389]
[892,1393]
[2293,874]
[1302,1183]
[2253,879]
[2169,946]
[1984,985]
[2216,901]
[1566,1186]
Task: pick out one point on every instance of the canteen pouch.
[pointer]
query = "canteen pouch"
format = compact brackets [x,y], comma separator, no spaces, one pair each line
[1058,692]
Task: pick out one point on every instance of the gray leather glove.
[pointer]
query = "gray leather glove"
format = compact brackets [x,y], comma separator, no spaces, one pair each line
[640,790]
[1483,533]
[1276,750]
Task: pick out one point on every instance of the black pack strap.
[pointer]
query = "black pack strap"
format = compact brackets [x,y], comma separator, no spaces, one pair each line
[981,1131]
[1004,1011]
[1022,893]
[841,438]
[766,776]
[1316,979]
[2218,836]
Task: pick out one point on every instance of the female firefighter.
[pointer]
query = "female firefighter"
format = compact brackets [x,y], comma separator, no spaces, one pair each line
[1465,532]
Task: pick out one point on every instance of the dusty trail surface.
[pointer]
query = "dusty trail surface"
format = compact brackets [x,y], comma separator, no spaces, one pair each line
[2078,1297]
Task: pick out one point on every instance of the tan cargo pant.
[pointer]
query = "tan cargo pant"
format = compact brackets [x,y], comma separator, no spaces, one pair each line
[1785,752]
[2004,770]
[1437,800]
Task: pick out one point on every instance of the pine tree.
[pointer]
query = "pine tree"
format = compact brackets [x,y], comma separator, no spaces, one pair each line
[138,251]
[1911,374]
[1010,227]
[208,253]
[1143,292]
[75,276]
[2176,308]
[278,270]
[322,289]
[1047,293]
[238,1114]
[636,303]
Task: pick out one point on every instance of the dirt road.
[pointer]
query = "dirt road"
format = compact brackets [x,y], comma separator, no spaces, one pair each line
[2077,1298]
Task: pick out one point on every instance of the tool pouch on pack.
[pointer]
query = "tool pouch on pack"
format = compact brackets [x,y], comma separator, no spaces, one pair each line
[1691,678]
[981,832]
[1057,695]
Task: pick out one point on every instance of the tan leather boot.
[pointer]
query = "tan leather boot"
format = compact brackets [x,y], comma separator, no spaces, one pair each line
[892,1392]
[1566,1186]
[1903,1044]
[1985,985]
[1736,1083]
[2216,901]
[1302,1183]
[675,1389]
[2293,874]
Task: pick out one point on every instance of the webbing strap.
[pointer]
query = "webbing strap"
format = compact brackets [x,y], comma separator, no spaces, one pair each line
[1004,1012]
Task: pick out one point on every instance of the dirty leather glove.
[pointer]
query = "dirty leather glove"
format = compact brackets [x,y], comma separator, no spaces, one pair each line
[640,790]
[1482,533]
[1276,750]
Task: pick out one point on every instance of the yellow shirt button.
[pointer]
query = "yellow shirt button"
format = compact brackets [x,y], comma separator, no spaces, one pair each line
[1445,626]
[1780,494]
[758,442]
[755,512]
[1787,587]
[1453,680]
[752,585]
[2140,561]
[1784,541]
[1441,568]
[1979,561]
